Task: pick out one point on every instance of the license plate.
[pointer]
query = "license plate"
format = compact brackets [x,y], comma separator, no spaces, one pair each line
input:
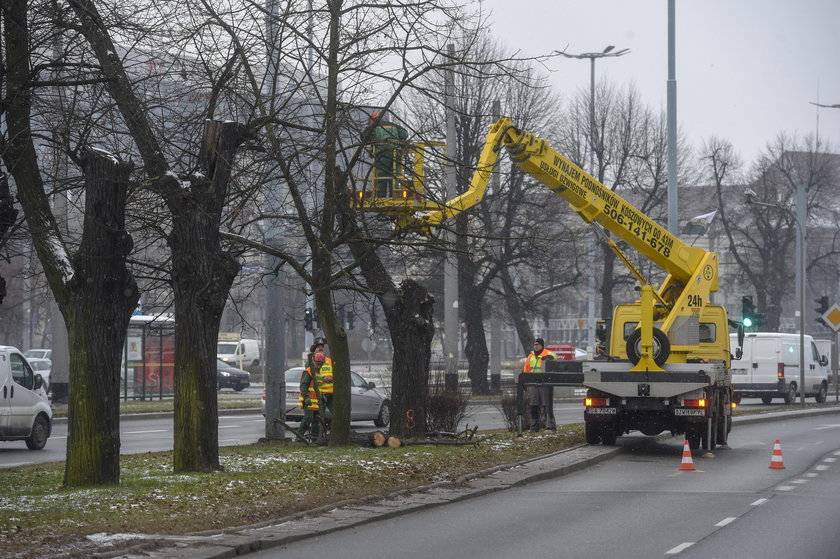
[601,411]
[689,411]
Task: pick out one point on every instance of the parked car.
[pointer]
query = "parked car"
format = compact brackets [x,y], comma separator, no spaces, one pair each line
[228,376]
[38,353]
[41,367]
[367,403]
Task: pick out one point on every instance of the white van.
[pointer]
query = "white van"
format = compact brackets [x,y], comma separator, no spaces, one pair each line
[25,412]
[769,368]
[240,353]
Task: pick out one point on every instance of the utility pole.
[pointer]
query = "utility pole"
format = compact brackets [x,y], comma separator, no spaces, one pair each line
[451,334]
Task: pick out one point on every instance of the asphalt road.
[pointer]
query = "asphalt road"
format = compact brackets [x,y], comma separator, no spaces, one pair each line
[636,505]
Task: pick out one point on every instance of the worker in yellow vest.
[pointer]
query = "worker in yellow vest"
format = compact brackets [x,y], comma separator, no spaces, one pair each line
[540,396]
[324,376]
[308,399]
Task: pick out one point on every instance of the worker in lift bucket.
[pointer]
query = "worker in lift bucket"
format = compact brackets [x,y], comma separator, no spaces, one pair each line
[388,146]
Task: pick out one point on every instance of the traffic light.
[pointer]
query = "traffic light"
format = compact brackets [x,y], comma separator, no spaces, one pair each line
[307,320]
[823,307]
[747,311]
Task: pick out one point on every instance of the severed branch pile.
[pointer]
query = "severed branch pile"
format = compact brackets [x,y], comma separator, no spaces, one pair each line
[380,438]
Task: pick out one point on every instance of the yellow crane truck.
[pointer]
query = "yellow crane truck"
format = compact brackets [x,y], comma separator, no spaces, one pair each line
[667,366]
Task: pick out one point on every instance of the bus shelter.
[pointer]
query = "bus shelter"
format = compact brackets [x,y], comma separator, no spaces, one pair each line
[148,366]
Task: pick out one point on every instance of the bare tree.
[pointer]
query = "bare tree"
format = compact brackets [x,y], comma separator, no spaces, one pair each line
[760,239]
[92,285]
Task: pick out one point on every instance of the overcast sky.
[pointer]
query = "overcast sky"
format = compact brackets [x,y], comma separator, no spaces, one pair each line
[745,69]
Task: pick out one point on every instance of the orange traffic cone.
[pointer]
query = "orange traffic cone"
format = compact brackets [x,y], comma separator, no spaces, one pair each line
[687,464]
[776,462]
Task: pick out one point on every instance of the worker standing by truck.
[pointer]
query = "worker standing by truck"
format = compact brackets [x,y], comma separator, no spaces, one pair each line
[540,395]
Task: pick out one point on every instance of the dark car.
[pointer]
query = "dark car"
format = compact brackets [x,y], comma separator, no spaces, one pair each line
[228,376]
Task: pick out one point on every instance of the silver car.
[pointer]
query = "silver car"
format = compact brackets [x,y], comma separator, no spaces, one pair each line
[367,403]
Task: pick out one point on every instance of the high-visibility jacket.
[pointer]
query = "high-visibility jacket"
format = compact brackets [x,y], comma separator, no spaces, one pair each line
[534,363]
[325,377]
[310,391]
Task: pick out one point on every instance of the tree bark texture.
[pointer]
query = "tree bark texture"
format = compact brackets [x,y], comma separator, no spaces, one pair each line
[103,294]
[477,354]
[409,311]
[471,292]
[202,274]
[8,216]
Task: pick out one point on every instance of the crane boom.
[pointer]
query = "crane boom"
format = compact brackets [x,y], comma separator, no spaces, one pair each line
[692,272]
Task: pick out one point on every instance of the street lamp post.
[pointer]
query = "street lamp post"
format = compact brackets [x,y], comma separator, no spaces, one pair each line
[592,56]
[800,272]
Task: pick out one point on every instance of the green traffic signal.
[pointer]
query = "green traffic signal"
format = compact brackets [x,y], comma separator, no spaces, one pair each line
[747,322]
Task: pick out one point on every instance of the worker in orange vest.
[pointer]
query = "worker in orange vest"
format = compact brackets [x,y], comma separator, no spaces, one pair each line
[540,396]
[308,399]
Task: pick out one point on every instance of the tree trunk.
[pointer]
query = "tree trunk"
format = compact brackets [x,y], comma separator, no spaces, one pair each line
[94,290]
[8,216]
[202,274]
[103,296]
[410,314]
[517,313]
[409,311]
[478,356]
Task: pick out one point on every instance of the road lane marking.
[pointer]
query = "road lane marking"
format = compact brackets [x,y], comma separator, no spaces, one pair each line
[228,426]
[811,474]
[800,481]
[829,459]
[830,426]
[681,547]
[726,521]
[820,468]
[759,502]
[785,488]
[146,432]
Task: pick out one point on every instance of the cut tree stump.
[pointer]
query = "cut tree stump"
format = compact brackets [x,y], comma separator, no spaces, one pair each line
[378,438]
[393,441]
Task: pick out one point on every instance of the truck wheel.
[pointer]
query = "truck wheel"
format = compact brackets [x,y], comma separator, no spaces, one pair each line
[661,346]
[766,399]
[790,396]
[40,432]
[593,434]
[820,396]
[693,438]
[608,436]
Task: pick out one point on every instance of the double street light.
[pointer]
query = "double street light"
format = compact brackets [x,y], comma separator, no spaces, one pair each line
[750,196]
[592,56]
